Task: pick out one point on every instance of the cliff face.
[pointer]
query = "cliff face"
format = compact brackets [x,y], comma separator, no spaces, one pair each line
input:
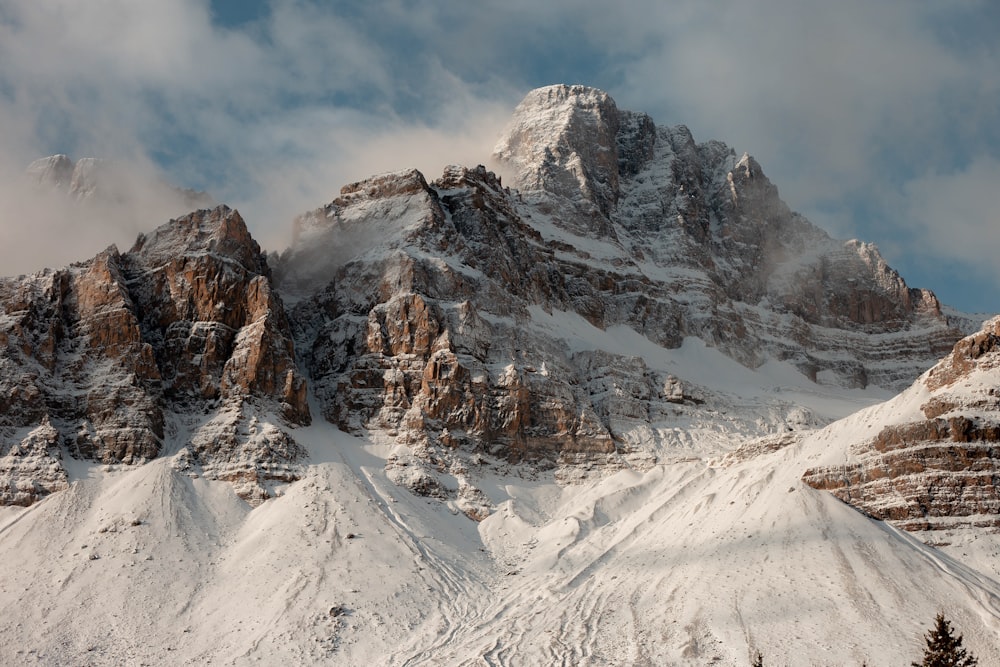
[100,358]
[709,235]
[395,342]
[420,307]
[937,467]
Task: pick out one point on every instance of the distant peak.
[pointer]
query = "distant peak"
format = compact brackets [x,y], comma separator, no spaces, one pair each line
[55,170]
[113,182]
[45,162]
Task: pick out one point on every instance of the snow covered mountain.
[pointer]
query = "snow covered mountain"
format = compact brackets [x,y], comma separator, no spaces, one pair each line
[592,417]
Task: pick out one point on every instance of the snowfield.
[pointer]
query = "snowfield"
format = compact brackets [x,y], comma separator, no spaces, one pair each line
[696,562]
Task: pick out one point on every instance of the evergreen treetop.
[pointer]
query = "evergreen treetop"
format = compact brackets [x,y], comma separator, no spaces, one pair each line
[944,649]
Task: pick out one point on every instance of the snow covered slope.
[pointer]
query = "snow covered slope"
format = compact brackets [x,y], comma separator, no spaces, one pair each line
[932,462]
[691,563]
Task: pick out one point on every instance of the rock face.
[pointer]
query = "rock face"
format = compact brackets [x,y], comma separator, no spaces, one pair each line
[715,250]
[31,468]
[563,140]
[96,357]
[938,468]
[420,307]
[395,343]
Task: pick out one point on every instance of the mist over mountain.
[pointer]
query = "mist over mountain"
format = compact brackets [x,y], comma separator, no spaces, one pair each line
[607,401]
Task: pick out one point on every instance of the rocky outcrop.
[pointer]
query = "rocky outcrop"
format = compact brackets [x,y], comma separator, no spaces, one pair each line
[73,355]
[99,354]
[31,467]
[204,300]
[940,470]
[412,378]
[978,353]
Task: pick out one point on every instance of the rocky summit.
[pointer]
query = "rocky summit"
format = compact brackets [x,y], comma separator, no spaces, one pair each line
[601,398]
[421,308]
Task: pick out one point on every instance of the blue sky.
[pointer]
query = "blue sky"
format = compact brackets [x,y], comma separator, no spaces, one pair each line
[879,121]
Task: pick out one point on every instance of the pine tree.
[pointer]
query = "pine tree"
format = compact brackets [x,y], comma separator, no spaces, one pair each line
[944,649]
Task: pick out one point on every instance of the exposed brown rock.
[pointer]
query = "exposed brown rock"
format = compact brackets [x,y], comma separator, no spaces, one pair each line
[412,379]
[976,351]
[205,294]
[186,321]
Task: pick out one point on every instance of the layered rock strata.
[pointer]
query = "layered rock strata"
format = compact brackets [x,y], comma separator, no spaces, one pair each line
[940,470]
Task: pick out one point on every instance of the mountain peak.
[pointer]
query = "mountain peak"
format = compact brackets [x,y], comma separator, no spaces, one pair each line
[561,94]
[55,170]
[220,230]
[562,139]
[748,165]
[389,184]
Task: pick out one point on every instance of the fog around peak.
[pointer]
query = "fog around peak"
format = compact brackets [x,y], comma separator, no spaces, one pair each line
[856,111]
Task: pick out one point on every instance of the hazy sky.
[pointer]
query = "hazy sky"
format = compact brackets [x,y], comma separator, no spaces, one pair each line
[877,120]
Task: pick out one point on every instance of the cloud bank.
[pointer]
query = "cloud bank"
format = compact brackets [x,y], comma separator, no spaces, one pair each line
[877,120]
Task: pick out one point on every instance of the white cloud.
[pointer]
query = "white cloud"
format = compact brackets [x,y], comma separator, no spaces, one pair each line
[842,102]
[819,92]
[955,216]
[258,117]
